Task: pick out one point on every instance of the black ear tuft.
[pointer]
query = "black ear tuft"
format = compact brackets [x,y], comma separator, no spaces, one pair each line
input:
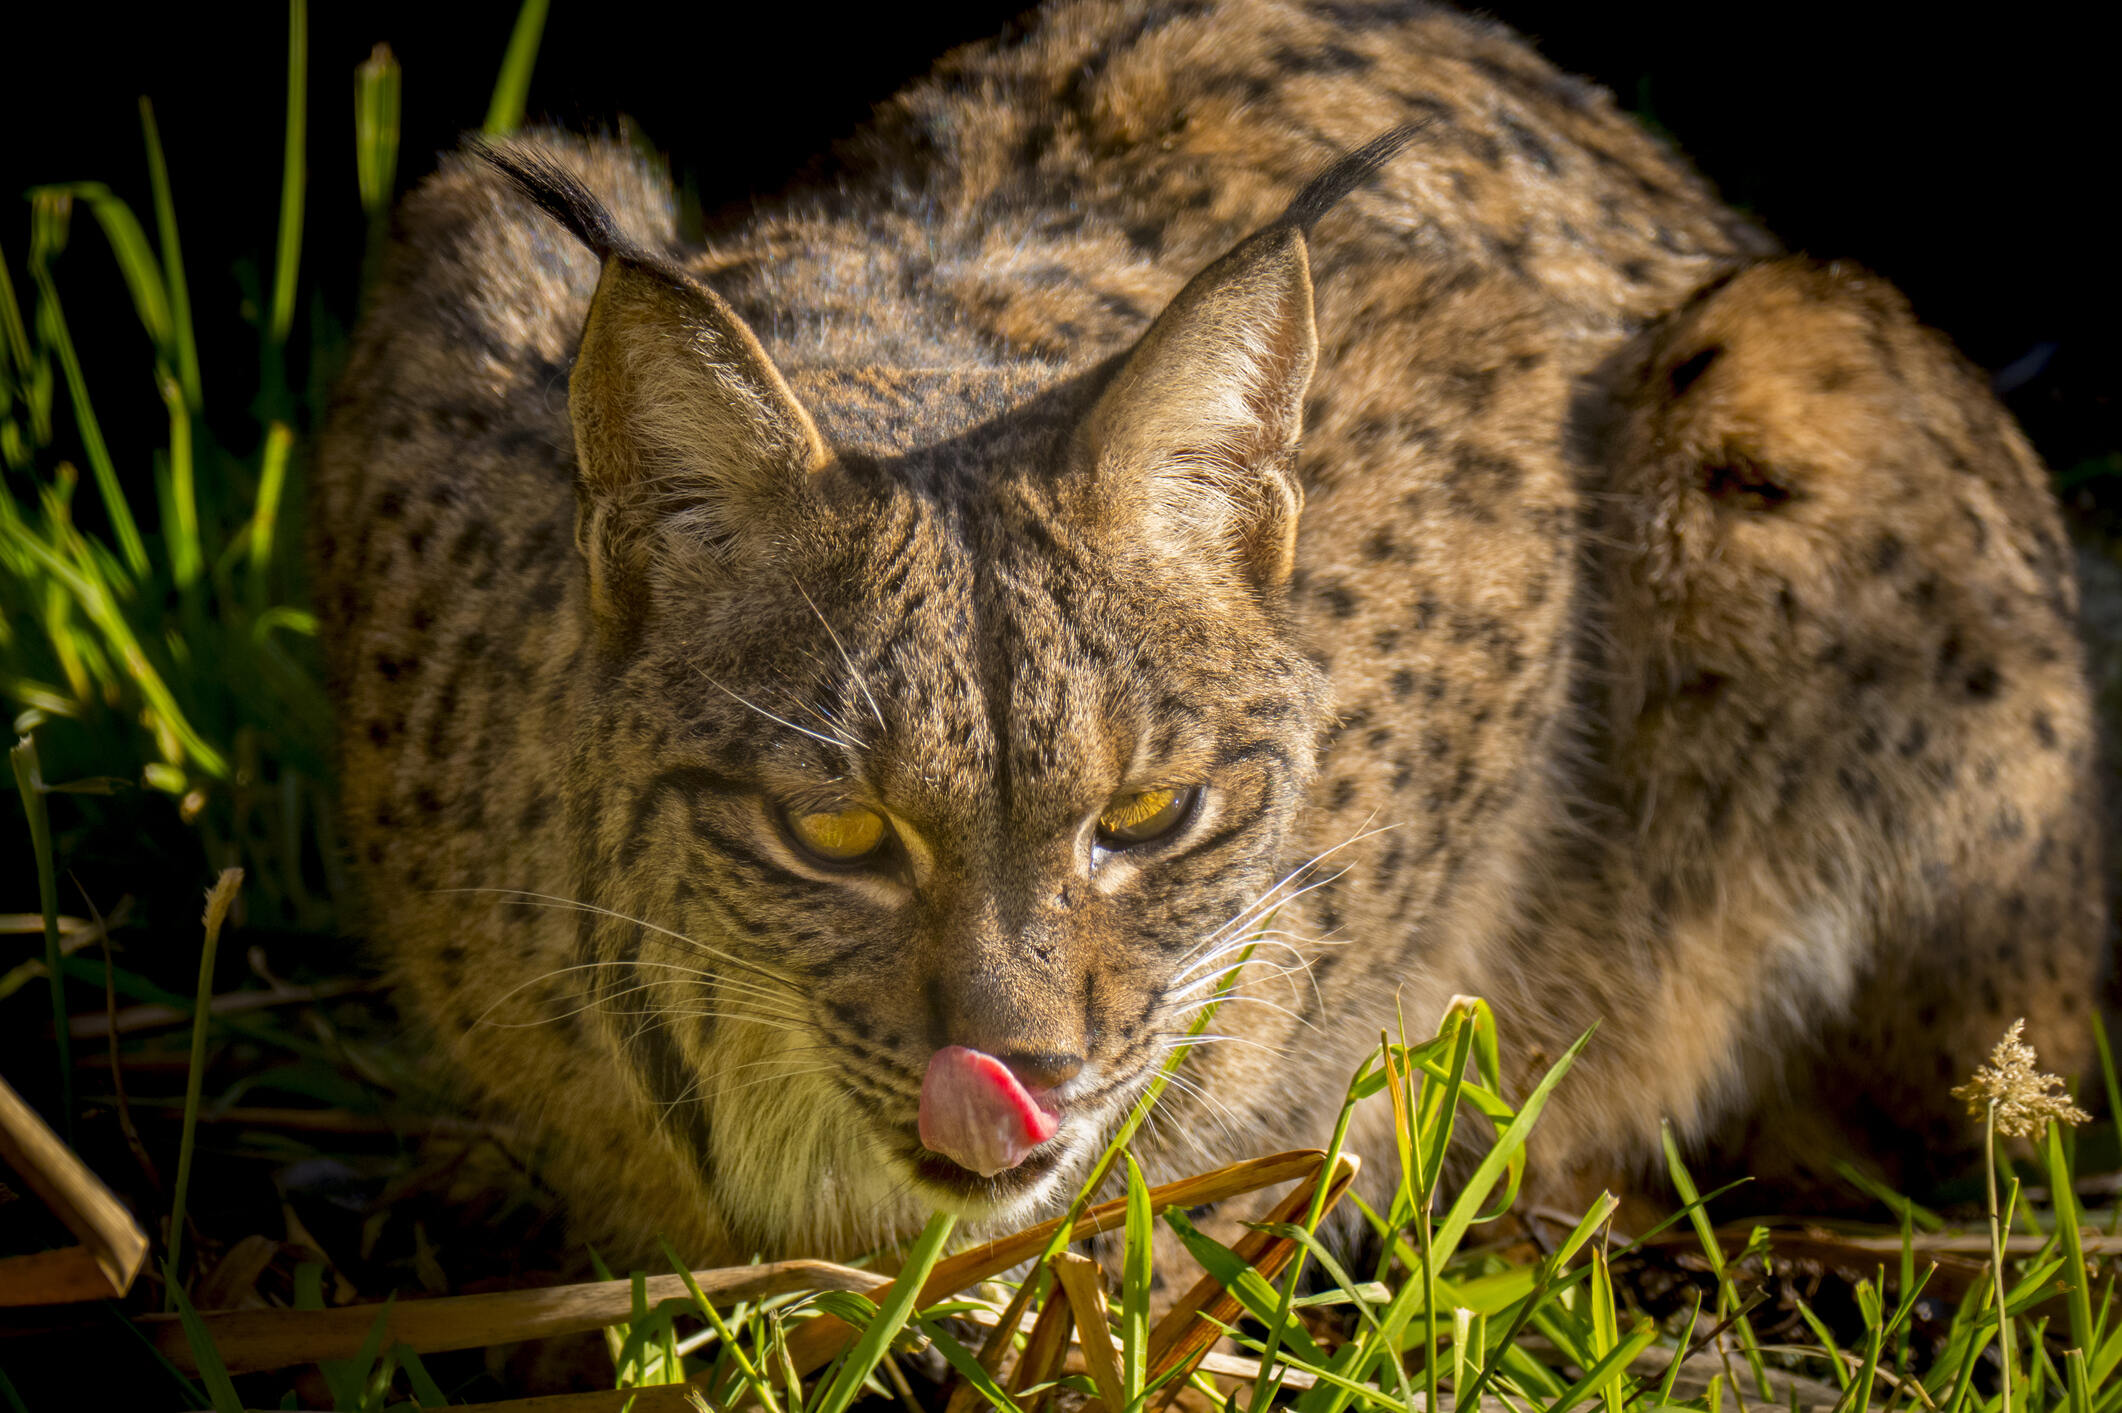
[1324,191]
[559,193]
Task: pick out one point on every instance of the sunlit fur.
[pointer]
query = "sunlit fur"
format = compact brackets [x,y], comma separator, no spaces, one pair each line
[1559,593]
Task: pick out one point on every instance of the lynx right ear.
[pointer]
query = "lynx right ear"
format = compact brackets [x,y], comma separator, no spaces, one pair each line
[684,429]
[1193,442]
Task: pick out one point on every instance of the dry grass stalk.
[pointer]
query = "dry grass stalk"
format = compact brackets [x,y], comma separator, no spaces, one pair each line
[250,1340]
[1045,1353]
[112,1245]
[131,1020]
[74,934]
[1082,1284]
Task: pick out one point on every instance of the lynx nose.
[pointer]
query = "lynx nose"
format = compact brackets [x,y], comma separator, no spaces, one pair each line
[976,1112]
[1043,1070]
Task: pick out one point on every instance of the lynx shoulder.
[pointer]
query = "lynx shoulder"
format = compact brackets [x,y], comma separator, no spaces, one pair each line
[823,707]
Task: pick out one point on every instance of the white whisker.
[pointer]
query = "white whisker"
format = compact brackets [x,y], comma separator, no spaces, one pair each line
[524,895]
[853,675]
[843,743]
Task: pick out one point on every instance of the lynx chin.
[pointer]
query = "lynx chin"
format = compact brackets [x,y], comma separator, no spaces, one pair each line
[824,704]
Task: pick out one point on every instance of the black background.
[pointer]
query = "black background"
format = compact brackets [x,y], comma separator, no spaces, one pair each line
[1970,161]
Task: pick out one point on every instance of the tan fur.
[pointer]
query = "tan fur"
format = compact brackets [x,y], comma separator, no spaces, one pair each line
[1674,636]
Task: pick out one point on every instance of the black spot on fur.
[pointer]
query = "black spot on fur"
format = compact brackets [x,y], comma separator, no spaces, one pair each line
[1886,554]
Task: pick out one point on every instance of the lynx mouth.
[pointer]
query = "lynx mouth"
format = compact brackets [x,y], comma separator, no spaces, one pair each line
[935,1170]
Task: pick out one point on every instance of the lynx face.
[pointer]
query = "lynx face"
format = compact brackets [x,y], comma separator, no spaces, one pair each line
[977,751]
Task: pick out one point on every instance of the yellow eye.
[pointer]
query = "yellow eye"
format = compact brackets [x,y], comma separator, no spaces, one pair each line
[839,836]
[1144,815]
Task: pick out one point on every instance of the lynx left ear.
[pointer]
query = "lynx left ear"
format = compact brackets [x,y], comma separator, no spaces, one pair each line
[1194,441]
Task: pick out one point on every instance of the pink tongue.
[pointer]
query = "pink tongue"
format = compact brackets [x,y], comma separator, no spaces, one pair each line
[975,1113]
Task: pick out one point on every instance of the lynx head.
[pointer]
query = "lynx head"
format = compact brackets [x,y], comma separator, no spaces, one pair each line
[949,727]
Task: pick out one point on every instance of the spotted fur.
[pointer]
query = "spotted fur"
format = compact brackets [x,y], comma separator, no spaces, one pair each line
[1652,629]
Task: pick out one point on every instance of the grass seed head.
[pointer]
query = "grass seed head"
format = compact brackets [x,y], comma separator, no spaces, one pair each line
[2023,1097]
[221,898]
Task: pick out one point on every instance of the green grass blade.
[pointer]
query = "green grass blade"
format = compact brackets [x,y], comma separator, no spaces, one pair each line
[1350,1292]
[1879,1192]
[2113,1089]
[1605,1326]
[137,262]
[182,341]
[1500,1158]
[1264,1383]
[29,779]
[287,260]
[1713,1252]
[968,1366]
[892,1315]
[378,94]
[1609,1369]
[48,221]
[1680,1351]
[1247,1285]
[746,1370]
[341,1377]
[213,1371]
[2071,1239]
[1826,1337]
[1438,1111]
[180,494]
[505,111]
[190,1392]
[1858,1394]
[1135,1284]
[179,384]
[353,1380]
[265,513]
[14,334]
[217,906]
[28,372]
[1332,1378]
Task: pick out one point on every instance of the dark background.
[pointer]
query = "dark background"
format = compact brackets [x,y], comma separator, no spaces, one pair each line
[1970,162]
